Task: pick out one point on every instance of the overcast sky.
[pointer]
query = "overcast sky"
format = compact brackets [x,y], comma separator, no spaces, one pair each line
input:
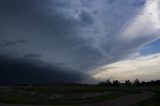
[79,40]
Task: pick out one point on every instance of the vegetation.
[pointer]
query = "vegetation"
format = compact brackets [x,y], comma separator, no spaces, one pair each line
[153,85]
[61,94]
[78,93]
[128,83]
[153,101]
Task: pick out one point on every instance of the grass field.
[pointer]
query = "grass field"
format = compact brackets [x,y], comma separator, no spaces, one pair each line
[153,101]
[61,94]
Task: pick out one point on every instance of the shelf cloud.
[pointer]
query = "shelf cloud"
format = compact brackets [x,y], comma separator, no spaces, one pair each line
[82,35]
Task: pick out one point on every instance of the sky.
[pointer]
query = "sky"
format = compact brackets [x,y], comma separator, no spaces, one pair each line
[79,41]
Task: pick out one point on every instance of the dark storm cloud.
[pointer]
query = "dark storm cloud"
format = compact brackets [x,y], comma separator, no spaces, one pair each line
[86,18]
[13,43]
[33,55]
[138,2]
[82,34]
[110,1]
[58,28]
[26,71]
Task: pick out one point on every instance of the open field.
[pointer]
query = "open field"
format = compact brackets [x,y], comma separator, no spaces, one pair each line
[76,95]
[153,101]
[126,100]
[61,94]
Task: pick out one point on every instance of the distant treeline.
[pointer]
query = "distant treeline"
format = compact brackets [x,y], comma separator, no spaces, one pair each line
[60,84]
[107,83]
[136,82]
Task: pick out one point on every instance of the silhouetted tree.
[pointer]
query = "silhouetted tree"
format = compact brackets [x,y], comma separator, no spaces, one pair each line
[157,82]
[102,84]
[108,83]
[136,82]
[116,83]
[143,83]
[128,83]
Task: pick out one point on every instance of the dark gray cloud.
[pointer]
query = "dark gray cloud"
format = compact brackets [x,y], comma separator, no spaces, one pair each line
[138,2]
[26,71]
[33,55]
[13,43]
[57,31]
[80,34]
[110,1]
[86,18]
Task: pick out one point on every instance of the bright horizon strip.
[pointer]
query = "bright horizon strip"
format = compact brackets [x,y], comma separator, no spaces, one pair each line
[143,67]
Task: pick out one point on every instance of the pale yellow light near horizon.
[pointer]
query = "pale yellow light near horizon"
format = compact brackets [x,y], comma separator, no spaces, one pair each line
[144,68]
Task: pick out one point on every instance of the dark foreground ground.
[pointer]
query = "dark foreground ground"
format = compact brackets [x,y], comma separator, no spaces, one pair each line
[121,101]
[79,96]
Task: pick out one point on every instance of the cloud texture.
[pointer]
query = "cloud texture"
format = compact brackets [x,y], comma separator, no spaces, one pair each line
[144,68]
[80,34]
